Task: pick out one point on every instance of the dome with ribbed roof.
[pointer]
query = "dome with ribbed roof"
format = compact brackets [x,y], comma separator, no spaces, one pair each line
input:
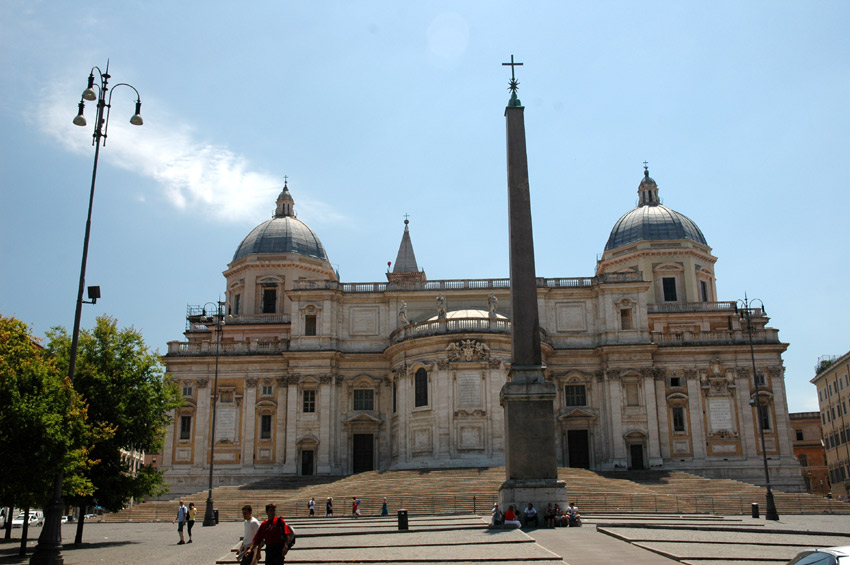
[284,233]
[651,220]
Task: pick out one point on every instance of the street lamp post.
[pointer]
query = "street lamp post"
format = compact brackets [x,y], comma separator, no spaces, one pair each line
[746,309]
[49,548]
[209,512]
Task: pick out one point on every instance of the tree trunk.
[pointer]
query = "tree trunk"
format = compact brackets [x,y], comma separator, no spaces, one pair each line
[23,551]
[78,539]
[8,525]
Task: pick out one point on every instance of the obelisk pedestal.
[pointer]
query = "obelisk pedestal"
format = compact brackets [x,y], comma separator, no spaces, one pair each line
[531,467]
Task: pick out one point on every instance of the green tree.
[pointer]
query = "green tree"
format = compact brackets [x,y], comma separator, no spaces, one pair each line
[125,388]
[43,424]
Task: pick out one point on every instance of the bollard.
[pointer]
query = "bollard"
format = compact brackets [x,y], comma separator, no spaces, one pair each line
[215,513]
[402,519]
[755,509]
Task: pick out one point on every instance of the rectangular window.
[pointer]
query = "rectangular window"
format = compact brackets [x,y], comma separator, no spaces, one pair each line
[266,426]
[364,399]
[759,378]
[632,396]
[764,417]
[395,396]
[309,400]
[675,382]
[669,285]
[420,388]
[187,391]
[704,290]
[804,461]
[799,435]
[575,395]
[225,396]
[678,419]
[185,427]
[310,324]
[267,390]
[626,318]
[237,304]
[269,300]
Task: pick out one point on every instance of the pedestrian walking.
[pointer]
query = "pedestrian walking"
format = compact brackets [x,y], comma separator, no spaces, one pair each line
[190,520]
[329,507]
[275,534]
[182,512]
[311,506]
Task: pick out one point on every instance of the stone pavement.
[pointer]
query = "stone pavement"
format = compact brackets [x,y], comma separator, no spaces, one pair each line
[463,539]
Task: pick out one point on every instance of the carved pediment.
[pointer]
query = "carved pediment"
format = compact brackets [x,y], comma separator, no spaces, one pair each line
[576,414]
[307,439]
[362,418]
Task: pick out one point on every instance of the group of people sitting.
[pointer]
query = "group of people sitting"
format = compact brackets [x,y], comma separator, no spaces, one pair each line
[552,517]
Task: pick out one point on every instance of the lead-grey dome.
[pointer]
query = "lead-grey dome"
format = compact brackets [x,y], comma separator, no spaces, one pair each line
[284,233]
[651,220]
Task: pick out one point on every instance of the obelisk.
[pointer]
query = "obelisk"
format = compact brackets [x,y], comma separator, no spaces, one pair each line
[531,467]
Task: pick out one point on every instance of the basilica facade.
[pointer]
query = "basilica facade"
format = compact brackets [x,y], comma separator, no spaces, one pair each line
[319,376]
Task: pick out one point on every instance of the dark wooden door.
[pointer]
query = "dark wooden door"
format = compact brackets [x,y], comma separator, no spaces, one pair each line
[307,462]
[363,453]
[578,448]
[637,457]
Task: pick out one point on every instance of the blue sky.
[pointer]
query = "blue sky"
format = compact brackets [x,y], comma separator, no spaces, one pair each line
[377,109]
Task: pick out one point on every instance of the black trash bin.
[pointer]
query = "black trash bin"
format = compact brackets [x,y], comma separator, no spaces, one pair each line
[755,507]
[215,513]
[402,519]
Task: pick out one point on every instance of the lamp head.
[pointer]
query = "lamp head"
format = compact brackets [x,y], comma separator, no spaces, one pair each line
[80,119]
[136,120]
[89,93]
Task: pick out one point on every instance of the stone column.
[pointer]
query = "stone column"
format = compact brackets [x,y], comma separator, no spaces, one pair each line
[326,419]
[654,447]
[249,423]
[698,423]
[202,426]
[280,425]
[289,466]
[531,466]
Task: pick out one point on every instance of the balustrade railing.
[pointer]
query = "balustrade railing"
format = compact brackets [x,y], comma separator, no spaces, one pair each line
[725,306]
[465,284]
[451,325]
[203,348]
[769,335]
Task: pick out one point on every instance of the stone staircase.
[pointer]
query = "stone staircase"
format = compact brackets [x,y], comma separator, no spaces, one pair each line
[473,490]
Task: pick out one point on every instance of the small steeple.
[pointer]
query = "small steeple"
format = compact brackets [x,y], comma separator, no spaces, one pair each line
[647,189]
[405,268]
[285,203]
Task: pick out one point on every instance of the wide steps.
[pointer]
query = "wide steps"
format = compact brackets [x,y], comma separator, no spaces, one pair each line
[473,490]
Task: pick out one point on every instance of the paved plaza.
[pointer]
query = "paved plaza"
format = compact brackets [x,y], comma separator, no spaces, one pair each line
[463,539]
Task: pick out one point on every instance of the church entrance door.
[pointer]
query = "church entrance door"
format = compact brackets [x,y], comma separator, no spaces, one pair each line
[636,451]
[307,462]
[578,449]
[363,459]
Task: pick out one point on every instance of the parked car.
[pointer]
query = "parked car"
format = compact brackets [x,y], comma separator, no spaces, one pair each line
[34,520]
[825,556]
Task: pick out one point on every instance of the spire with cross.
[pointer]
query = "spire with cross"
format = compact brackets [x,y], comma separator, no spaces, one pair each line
[513,86]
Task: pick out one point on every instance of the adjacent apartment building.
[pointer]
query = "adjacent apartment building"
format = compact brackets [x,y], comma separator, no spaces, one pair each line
[832,380]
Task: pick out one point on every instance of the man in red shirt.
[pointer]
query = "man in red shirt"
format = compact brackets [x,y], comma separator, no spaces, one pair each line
[275,534]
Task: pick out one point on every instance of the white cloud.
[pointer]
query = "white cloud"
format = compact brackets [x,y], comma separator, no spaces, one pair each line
[195,175]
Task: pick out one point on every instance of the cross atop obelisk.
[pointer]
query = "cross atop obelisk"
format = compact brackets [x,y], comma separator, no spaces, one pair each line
[513,86]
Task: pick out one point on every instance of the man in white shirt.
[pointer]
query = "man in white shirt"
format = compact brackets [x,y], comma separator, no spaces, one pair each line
[244,554]
[182,513]
[311,506]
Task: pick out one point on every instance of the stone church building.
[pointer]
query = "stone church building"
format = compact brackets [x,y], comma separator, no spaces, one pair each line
[320,376]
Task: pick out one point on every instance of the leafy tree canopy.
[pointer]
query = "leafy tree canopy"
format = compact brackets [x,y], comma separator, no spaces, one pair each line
[43,423]
[126,390]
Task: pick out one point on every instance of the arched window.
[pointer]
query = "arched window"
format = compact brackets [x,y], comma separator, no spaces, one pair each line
[421,388]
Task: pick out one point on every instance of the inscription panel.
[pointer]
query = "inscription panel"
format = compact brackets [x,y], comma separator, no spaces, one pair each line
[720,414]
[468,390]
[225,423]
[471,437]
